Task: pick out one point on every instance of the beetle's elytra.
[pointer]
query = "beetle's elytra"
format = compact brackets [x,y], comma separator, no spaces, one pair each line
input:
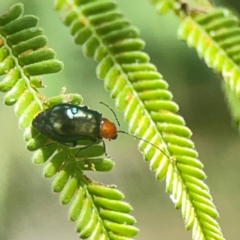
[68,123]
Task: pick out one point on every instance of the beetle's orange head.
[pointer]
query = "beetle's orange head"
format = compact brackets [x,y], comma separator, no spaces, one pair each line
[108,129]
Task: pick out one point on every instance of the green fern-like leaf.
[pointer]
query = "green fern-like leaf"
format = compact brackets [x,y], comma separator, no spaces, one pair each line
[215,36]
[98,210]
[143,94]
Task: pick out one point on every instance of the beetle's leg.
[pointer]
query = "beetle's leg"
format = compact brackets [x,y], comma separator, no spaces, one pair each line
[74,144]
[89,145]
[104,148]
[48,144]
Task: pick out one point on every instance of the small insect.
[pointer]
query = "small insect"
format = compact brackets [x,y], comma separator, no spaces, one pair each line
[68,123]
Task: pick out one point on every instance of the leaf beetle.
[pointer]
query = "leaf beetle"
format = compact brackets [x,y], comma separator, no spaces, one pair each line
[68,123]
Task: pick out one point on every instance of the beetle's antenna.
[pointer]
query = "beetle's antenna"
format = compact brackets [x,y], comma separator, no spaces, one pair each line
[144,141]
[132,134]
[112,112]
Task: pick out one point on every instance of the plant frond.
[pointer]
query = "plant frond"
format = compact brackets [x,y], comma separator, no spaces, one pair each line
[215,36]
[98,210]
[143,94]
[24,56]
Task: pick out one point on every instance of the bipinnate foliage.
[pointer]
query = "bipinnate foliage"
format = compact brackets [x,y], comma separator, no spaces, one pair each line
[98,210]
[140,90]
[216,37]
[215,34]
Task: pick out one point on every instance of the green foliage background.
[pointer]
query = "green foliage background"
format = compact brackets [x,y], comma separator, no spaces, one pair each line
[29,210]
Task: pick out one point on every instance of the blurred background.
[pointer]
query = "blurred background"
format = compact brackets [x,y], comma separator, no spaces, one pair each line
[28,208]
